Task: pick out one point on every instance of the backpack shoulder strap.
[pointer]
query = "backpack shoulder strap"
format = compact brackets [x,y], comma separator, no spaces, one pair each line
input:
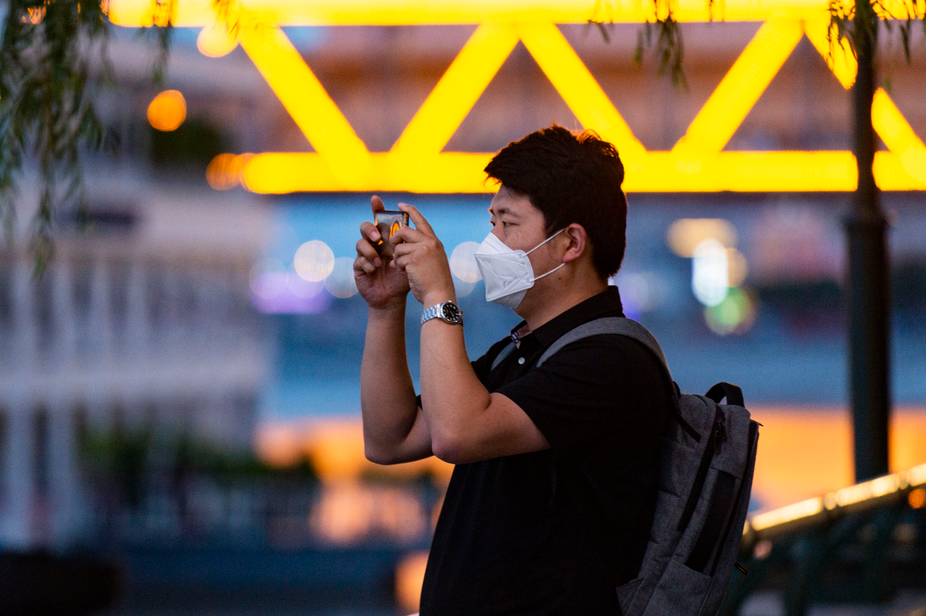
[609,325]
[630,328]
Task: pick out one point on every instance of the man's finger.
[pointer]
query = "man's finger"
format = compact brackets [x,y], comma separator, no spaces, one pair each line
[408,234]
[402,250]
[369,231]
[377,205]
[362,264]
[420,223]
[365,250]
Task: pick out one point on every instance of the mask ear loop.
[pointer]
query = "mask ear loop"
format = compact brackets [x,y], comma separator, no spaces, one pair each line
[550,272]
[541,244]
[545,241]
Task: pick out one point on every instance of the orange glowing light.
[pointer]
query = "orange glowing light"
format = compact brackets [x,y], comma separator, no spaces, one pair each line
[224,171]
[685,234]
[350,512]
[167,111]
[917,498]
[34,15]
[807,452]
[336,449]
[409,578]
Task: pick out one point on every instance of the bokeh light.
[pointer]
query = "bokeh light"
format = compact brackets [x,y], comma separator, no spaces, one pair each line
[224,171]
[349,513]
[167,111]
[737,267]
[409,578]
[710,272]
[463,263]
[462,288]
[340,282]
[686,234]
[34,15]
[643,291]
[215,40]
[302,288]
[735,314]
[268,279]
[314,260]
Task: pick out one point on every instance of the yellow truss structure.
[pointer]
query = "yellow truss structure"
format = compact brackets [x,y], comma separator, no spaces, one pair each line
[417,161]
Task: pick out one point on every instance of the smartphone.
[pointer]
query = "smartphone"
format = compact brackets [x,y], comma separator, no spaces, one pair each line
[388,223]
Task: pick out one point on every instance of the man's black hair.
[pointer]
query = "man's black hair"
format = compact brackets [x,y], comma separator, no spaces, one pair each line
[571,178]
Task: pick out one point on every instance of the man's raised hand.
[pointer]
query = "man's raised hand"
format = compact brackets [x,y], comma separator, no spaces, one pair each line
[379,284]
[420,256]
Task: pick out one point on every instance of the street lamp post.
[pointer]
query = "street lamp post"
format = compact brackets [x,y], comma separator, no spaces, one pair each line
[868,273]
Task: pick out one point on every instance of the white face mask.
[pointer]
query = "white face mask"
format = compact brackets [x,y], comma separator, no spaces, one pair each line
[507,273]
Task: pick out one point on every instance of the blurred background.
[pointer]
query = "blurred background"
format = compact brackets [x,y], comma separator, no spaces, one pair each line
[179,392]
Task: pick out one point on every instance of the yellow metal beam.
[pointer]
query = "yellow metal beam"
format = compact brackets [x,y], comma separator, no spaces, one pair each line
[578,87]
[742,86]
[898,135]
[416,162]
[838,55]
[200,13]
[285,172]
[307,102]
[280,172]
[457,91]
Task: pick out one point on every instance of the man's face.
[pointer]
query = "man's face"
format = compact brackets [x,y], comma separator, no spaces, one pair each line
[515,220]
[521,226]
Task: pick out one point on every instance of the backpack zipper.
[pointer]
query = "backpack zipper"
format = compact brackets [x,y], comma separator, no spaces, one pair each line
[711,447]
[720,431]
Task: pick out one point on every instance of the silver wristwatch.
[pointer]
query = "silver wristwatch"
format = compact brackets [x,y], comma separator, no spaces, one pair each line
[447,312]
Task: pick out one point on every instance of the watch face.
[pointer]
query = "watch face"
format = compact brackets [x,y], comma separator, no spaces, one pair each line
[450,312]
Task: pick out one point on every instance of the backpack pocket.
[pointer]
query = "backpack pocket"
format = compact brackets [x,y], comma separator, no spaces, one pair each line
[625,595]
[676,589]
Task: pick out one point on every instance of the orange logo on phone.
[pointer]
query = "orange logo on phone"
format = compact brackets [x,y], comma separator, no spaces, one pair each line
[394,229]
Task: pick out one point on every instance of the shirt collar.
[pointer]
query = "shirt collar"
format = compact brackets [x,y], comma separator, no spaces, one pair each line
[606,303]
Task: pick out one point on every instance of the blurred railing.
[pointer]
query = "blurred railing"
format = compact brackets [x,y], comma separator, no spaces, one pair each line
[264,512]
[856,545]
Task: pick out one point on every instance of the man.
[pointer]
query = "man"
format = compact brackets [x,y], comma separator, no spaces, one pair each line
[552,497]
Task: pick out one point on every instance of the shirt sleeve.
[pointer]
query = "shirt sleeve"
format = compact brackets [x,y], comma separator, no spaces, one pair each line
[591,389]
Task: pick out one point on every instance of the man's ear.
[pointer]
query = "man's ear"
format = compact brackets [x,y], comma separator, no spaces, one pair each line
[578,242]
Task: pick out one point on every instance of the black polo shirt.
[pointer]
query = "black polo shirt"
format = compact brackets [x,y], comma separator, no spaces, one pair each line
[553,532]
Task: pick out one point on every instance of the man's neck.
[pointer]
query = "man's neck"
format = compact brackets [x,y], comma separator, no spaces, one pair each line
[544,309]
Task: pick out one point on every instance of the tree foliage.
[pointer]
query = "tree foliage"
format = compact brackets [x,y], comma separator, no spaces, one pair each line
[663,33]
[845,27]
[53,59]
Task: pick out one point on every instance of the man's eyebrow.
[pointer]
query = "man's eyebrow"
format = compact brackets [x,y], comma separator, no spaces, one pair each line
[501,211]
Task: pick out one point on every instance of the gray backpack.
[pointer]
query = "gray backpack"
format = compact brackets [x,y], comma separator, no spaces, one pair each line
[708,457]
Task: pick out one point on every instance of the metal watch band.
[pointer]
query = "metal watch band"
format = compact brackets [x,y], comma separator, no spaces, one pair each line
[436,312]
